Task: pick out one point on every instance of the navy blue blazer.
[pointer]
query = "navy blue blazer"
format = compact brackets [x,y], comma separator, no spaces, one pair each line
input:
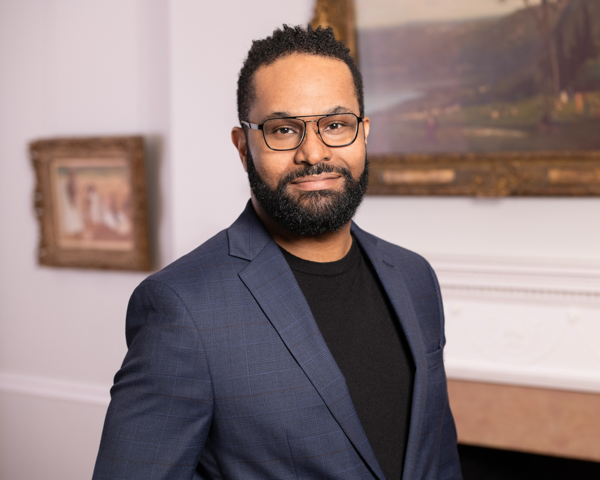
[228,377]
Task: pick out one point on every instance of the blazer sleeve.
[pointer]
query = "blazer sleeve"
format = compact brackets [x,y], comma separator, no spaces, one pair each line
[449,463]
[162,401]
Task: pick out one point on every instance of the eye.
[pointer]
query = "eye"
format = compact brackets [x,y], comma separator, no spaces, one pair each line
[283,131]
[281,128]
[335,126]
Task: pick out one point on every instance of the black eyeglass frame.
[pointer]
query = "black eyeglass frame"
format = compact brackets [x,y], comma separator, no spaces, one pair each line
[255,126]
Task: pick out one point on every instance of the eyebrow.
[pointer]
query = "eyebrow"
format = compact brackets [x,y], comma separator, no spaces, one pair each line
[338,109]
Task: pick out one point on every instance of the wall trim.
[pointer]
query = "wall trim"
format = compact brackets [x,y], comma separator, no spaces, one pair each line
[467,278]
[570,287]
[510,264]
[480,278]
[76,392]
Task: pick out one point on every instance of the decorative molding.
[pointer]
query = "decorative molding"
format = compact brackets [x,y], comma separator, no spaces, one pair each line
[519,280]
[499,282]
[522,322]
[521,293]
[82,393]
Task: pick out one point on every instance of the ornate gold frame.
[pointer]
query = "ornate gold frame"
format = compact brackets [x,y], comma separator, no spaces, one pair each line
[473,174]
[127,150]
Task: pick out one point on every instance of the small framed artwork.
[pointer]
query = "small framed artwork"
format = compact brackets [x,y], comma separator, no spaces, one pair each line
[477,97]
[90,201]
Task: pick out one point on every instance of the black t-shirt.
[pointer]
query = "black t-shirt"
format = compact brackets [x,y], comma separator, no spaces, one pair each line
[360,327]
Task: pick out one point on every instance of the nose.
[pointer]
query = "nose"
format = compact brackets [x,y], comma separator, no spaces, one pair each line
[312,150]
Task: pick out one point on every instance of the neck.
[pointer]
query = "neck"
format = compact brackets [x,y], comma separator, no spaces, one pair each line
[327,247]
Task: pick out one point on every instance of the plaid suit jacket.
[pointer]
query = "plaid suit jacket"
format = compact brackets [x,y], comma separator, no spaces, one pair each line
[228,377]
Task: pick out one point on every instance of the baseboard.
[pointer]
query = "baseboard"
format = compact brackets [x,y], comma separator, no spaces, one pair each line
[67,391]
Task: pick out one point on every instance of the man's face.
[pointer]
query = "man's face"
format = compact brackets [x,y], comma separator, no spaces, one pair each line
[313,189]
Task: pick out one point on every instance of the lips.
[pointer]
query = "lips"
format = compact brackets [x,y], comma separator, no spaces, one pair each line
[321,181]
[317,178]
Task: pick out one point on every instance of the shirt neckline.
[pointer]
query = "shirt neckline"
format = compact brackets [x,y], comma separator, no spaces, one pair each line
[328,269]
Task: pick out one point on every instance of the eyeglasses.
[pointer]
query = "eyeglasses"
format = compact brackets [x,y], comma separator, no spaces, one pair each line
[287,133]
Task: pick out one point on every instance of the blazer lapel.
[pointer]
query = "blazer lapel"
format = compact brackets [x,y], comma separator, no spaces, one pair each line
[395,286]
[272,283]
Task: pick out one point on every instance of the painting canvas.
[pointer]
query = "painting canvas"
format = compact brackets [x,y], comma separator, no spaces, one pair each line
[91,202]
[481,75]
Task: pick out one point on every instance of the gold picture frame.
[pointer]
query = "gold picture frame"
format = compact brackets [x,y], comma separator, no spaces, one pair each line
[90,202]
[489,174]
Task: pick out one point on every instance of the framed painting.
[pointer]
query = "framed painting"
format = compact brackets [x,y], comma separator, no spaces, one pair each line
[477,97]
[90,201]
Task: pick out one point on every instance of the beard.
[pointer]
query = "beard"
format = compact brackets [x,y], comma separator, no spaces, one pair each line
[310,213]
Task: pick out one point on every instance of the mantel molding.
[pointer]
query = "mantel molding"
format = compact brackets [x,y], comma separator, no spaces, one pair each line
[522,322]
[515,279]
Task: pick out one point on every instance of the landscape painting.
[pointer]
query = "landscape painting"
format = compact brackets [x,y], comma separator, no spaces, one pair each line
[480,75]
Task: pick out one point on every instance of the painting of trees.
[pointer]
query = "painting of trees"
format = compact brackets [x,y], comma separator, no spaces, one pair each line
[527,79]
[565,29]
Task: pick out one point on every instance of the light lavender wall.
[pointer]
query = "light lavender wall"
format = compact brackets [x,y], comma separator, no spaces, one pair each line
[167,69]
[68,68]
[83,67]
[209,43]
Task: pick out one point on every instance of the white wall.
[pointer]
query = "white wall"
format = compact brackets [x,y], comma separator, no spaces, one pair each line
[522,228]
[167,69]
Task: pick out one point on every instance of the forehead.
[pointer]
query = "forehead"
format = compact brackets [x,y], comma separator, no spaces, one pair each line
[302,84]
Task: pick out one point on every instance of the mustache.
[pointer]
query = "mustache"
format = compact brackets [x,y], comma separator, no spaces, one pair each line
[315,169]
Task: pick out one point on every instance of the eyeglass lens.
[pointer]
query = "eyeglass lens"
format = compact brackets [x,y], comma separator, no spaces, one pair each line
[287,133]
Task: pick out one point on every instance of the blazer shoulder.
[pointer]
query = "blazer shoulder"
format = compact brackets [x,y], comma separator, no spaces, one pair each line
[206,262]
[219,257]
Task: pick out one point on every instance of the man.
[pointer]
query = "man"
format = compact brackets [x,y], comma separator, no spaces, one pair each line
[293,344]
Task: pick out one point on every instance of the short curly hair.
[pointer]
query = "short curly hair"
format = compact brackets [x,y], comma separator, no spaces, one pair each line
[286,41]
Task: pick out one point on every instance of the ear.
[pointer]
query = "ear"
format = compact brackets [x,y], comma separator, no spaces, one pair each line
[238,137]
[367,126]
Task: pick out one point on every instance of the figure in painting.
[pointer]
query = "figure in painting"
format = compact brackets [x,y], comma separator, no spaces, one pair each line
[94,206]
